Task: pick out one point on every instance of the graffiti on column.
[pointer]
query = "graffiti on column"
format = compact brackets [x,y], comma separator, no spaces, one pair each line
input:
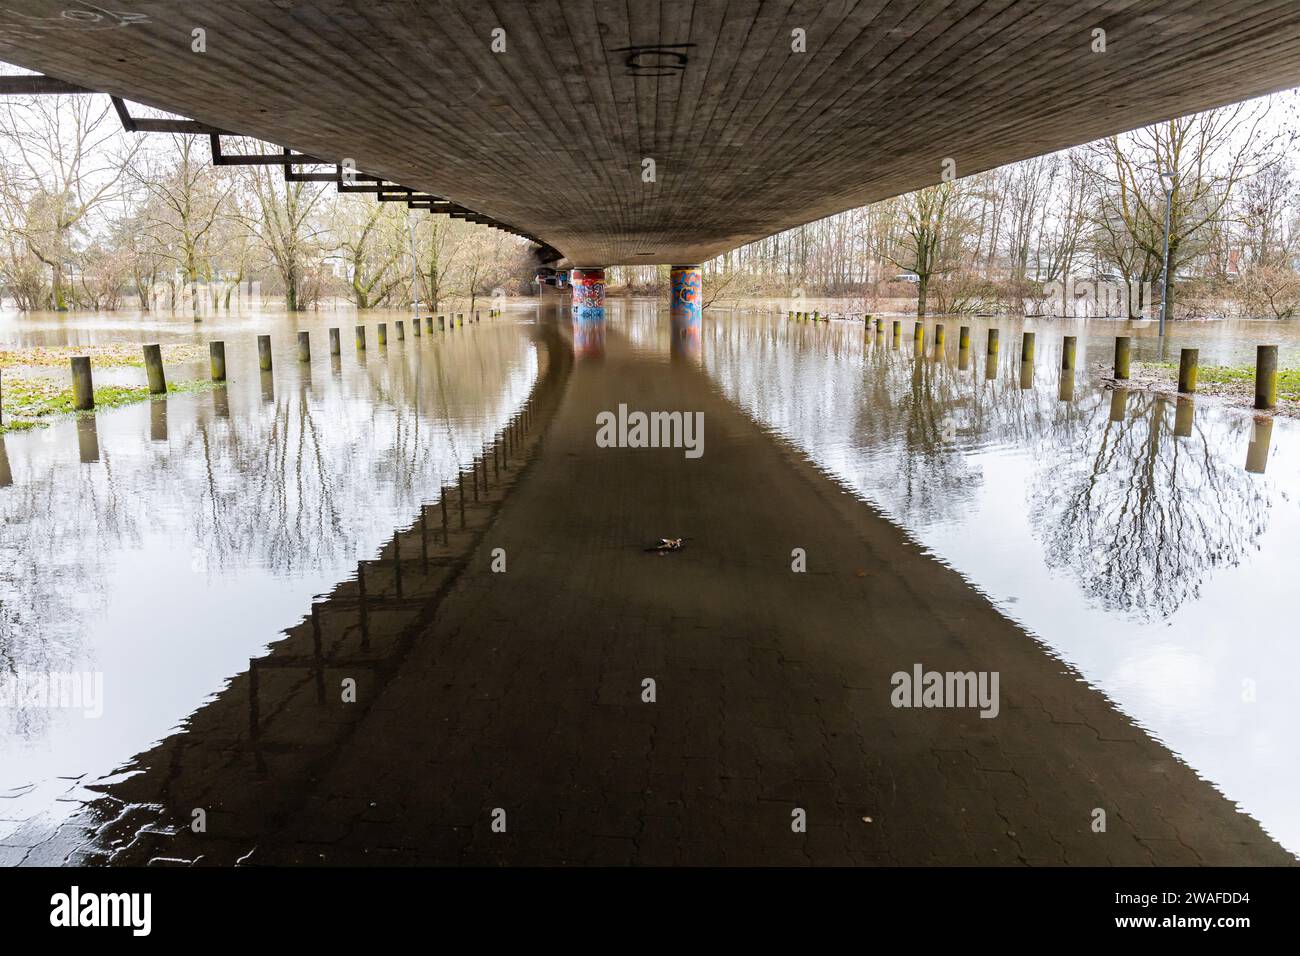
[588,312]
[687,305]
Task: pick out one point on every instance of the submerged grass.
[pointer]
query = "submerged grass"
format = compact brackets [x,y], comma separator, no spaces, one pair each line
[1231,379]
[34,403]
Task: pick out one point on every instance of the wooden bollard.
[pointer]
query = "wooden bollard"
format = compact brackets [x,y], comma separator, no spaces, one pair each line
[361,338]
[153,368]
[415,326]
[1188,361]
[460,319]
[428,323]
[475,316]
[304,346]
[898,333]
[83,387]
[442,323]
[938,340]
[264,352]
[994,343]
[918,334]
[963,338]
[1069,348]
[383,334]
[336,346]
[401,330]
[1123,352]
[1265,376]
[217,360]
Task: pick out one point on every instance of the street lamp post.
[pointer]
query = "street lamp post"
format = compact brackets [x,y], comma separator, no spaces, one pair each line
[1170,181]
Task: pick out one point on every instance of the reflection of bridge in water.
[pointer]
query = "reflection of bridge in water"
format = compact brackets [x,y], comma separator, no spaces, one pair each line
[522,692]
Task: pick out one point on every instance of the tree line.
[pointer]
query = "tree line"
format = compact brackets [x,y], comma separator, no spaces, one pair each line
[997,240]
[95,218]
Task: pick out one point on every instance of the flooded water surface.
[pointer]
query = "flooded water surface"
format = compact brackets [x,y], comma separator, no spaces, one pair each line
[1150,542]
[149,551]
[1147,541]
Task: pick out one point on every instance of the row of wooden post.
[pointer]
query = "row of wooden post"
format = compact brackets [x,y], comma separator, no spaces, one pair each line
[83,389]
[1188,362]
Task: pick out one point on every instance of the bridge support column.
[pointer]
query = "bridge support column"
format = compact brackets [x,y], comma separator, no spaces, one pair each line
[686,313]
[588,312]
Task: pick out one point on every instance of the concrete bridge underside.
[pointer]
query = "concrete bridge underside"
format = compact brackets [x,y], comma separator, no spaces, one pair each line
[748,135]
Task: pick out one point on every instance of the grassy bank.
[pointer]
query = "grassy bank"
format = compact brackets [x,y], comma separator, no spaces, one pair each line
[35,403]
[1230,379]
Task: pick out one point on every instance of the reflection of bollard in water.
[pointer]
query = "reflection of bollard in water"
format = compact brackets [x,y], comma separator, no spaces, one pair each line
[1265,376]
[1118,404]
[1066,390]
[963,358]
[264,352]
[221,402]
[1257,452]
[1184,412]
[153,367]
[1069,348]
[87,439]
[336,346]
[6,476]
[304,346]
[157,421]
[83,386]
[1123,350]
[991,366]
[1188,361]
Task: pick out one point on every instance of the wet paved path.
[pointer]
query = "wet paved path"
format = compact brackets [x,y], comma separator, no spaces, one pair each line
[773,688]
[523,691]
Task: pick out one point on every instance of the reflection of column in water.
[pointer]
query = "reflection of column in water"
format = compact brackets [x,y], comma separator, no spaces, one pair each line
[1257,452]
[87,438]
[6,477]
[1183,415]
[963,357]
[268,386]
[336,365]
[221,402]
[1118,404]
[158,420]
[991,366]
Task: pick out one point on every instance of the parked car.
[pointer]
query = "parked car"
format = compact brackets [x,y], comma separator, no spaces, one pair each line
[907,277]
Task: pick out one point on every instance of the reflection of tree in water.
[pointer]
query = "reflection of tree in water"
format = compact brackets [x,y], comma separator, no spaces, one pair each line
[889,424]
[1140,517]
